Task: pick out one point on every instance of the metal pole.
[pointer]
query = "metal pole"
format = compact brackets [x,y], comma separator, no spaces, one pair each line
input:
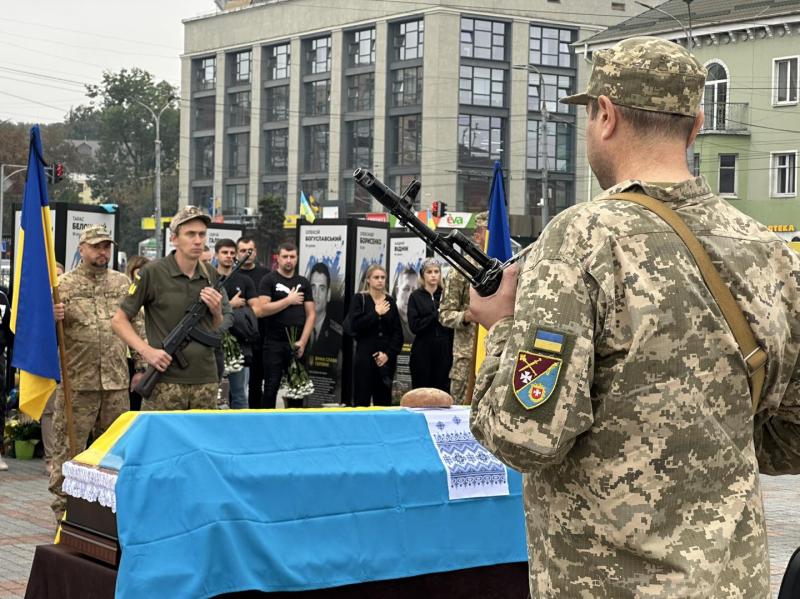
[159,233]
[3,178]
[545,159]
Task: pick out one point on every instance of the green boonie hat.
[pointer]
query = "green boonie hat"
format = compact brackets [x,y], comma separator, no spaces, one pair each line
[647,73]
[482,219]
[94,234]
[186,214]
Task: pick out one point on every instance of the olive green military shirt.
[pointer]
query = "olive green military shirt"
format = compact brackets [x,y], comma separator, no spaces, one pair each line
[619,391]
[166,293]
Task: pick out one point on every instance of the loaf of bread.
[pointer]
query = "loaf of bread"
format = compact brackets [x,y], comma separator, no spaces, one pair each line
[426,397]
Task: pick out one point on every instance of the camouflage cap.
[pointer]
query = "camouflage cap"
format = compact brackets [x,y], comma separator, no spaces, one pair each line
[482,219]
[186,214]
[647,73]
[94,234]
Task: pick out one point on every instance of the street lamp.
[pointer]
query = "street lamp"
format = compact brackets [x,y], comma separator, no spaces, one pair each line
[157,121]
[542,153]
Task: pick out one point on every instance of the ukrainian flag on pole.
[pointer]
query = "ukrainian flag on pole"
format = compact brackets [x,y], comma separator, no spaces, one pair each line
[32,320]
[498,242]
[306,211]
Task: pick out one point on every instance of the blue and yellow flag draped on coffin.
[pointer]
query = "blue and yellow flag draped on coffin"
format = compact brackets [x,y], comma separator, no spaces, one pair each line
[217,502]
[32,321]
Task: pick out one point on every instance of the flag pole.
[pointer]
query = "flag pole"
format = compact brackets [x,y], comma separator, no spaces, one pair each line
[472,363]
[65,386]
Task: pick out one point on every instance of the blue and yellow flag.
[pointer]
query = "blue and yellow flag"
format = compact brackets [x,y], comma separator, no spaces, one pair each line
[32,320]
[498,242]
[306,211]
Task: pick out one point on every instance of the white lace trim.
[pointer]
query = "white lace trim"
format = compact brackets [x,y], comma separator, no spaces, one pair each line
[91,484]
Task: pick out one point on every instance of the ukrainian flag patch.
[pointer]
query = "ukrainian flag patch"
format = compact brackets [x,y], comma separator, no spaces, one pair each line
[548,341]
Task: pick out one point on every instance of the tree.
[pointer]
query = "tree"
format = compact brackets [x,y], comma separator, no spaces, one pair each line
[269,230]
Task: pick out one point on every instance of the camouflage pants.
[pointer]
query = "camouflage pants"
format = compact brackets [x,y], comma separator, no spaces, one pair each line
[92,413]
[459,376]
[178,396]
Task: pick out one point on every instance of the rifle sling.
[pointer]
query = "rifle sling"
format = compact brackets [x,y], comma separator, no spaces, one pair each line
[754,356]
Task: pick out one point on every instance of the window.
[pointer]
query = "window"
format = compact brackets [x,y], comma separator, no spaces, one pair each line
[559,147]
[406,140]
[203,197]
[400,182]
[480,139]
[315,187]
[617,6]
[235,199]
[784,174]
[715,97]
[360,92]
[239,109]
[483,39]
[204,157]
[276,151]
[274,188]
[278,62]
[356,198]
[727,174]
[205,73]
[408,41]
[784,80]
[276,103]
[555,88]
[362,48]
[318,97]
[359,143]
[480,86]
[696,164]
[318,57]
[315,144]
[241,67]
[561,195]
[472,190]
[550,46]
[203,113]
[238,154]
[407,87]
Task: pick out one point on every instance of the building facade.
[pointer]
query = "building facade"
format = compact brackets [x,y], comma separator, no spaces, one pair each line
[748,147]
[287,96]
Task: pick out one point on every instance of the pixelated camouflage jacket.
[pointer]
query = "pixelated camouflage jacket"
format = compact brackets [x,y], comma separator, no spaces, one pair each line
[96,357]
[642,466]
[455,301]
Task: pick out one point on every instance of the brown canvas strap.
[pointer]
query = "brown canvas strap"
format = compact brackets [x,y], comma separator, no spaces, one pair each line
[754,356]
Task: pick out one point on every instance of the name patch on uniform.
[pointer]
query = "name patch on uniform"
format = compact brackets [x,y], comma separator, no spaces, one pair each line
[535,378]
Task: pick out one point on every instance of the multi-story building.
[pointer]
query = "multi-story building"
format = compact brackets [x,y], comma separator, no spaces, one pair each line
[748,147]
[284,96]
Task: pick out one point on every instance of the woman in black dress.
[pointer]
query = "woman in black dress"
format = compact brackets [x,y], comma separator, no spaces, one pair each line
[379,338]
[432,350]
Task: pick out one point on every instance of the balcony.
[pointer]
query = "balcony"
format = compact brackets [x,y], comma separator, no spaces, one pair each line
[731,118]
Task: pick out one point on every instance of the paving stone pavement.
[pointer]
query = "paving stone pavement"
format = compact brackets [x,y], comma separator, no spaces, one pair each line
[26,521]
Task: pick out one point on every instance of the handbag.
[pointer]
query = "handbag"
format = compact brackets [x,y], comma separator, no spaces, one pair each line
[754,355]
[347,324]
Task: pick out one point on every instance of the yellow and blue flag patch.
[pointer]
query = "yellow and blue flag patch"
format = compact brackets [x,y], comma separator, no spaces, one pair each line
[548,341]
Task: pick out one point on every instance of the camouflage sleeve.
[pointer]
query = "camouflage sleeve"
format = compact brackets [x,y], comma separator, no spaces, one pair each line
[777,433]
[532,396]
[453,305]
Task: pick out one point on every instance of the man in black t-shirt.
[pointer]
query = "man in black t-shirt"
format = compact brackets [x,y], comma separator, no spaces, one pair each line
[242,296]
[286,301]
[255,272]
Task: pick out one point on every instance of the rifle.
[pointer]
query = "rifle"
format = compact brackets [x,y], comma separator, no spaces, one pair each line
[485,277]
[186,330]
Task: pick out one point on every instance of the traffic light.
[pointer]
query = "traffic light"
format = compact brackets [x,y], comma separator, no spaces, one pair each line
[438,209]
[58,172]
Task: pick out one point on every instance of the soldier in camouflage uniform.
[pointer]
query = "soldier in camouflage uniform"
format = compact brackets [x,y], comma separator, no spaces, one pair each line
[454,313]
[612,380]
[97,365]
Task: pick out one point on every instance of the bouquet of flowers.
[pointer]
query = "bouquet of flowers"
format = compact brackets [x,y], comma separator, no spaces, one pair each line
[296,383]
[232,354]
[22,428]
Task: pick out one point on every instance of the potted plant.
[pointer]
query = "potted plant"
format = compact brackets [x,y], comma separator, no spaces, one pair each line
[25,433]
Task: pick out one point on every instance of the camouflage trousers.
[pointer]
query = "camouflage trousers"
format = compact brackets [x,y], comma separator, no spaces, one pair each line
[92,413]
[459,377]
[179,396]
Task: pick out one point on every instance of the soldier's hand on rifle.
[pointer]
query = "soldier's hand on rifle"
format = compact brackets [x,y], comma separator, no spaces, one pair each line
[295,298]
[157,358]
[58,311]
[213,299]
[488,310]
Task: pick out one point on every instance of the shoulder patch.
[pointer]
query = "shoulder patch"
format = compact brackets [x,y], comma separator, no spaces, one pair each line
[132,288]
[535,378]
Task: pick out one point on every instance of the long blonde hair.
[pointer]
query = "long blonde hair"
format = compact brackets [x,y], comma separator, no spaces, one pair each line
[372,268]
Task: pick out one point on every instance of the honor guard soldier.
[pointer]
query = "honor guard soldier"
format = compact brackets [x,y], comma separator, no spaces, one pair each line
[642,367]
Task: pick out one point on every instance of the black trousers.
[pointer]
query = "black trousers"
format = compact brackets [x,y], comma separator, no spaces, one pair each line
[255,387]
[277,356]
[369,384]
[430,363]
